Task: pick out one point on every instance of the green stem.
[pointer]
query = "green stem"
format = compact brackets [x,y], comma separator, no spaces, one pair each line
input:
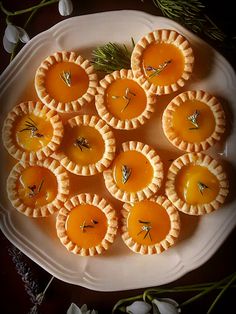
[220,294]
[25,26]
[38,6]
[120,302]
[207,290]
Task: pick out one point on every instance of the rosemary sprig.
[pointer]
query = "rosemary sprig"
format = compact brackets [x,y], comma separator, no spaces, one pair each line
[146,226]
[126,172]
[83,227]
[190,13]
[82,142]
[33,191]
[31,126]
[193,119]
[66,77]
[202,187]
[158,70]
[112,57]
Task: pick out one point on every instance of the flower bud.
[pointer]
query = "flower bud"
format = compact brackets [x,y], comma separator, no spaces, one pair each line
[23,36]
[8,46]
[65,7]
[138,307]
[12,33]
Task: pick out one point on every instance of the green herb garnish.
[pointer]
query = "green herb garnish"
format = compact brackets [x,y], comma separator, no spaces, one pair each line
[202,187]
[81,142]
[190,13]
[158,70]
[66,77]
[193,119]
[112,57]
[31,126]
[126,172]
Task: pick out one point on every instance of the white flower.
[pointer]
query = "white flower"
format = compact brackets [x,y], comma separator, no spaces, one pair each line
[165,306]
[12,35]
[74,309]
[138,307]
[65,7]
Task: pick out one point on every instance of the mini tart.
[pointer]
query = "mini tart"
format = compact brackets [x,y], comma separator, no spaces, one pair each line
[140,166]
[87,224]
[88,146]
[193,121]
[150,226]
[122,102]
[196,184]
[65,82]
[162,61]
[39,188]
[32,131]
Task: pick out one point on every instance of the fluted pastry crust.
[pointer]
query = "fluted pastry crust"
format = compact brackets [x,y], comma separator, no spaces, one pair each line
[37,109]
[48,209]
[217,111]
[151,188]
[155,248]
[109,147]
[70,106]
[162,36]
[116,123]
[202,160]
[104,206]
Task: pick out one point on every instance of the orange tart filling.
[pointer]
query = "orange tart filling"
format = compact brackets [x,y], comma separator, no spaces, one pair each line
[37,186]
[150,226]
[66,81]
[88,146]
[86,226]
[125,99]
[136,173]
[122,102]
[196,185]
[148,223]
[132,171]
[83,145]
[193,121]
[33,132]
[163,63]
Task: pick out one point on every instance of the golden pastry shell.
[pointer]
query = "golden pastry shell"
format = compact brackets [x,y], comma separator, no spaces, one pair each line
[151,188]
[48,209]
[161,246]
[109,143]
[37,109]
[213,104]
[104,206]
[71,106]
[202,160]
[166,36]
[100,102]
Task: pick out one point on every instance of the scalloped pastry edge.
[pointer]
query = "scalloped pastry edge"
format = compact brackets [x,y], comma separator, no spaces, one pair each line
[36,108]
[213,166]
[153,186]
[71,106]
[217,110]
[100,103]
[104,206]
[167,36]
[109,143]
[48,209]
[161,246]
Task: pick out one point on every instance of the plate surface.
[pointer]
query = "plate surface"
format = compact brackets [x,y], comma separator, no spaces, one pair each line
[119,268]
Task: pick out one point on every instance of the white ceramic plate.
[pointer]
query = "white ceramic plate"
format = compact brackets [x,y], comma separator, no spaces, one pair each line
[118,268]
